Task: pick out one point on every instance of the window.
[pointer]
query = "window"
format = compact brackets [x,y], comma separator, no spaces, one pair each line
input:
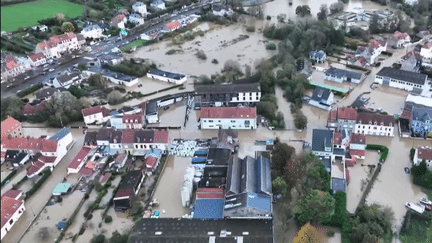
[142,146]
[244,98]
[11,221]
[247,123]
[219,120]
[233,121]
[210,120]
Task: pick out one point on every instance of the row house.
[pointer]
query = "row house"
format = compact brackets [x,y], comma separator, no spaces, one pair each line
[13,68]
[11,127]
[37,59]
[57,45]
[12,208]
[375,124]
[78,161]
[426,50]
[48,48]
[52,149]
[357,146]
[343,118]
[227,95]
[401,79]
[398,39]
[134,142]
[228,118]
[95,115]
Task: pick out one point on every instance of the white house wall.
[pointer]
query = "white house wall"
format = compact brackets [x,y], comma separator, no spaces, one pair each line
[15,217]
[215,123]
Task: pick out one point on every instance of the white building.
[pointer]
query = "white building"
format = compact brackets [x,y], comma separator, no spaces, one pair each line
[157,5]
[398,39]
[43,27]
[78,161]
[95,115]
[411,2]
[11,211]
[401,79]
[423,153]
[119,21]
[318,56]
[92,31]
[136,19]
[117,78]
[224,95]
[426,50]
[375,124]
[342,75]
[140,8]
[228,118]
[66,80]
[167,76]
[322,98]
[222,10]
[37,59]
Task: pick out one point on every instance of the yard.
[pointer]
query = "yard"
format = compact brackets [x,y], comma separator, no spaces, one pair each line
[137,43]
[27,14]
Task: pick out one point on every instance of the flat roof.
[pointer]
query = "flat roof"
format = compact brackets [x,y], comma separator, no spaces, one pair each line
[342,72]
[419,100]
[209,208]
[328,87]
[407,76]
[218,156]
[227,88]
[200,230]
[61,188]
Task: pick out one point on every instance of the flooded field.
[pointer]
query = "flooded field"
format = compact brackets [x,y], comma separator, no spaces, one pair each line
[380,97]
[169,187]
[212,43]
[44,229]
[174,116]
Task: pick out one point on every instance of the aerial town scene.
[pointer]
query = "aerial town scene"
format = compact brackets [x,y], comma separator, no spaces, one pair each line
[255,121]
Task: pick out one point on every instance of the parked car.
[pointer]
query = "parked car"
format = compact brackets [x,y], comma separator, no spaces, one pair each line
[51,70]
[425,201]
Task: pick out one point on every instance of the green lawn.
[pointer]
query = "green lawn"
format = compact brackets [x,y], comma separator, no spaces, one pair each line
[27,14]
[136,43]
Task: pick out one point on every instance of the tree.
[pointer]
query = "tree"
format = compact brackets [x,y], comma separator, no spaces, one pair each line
[118,238]
[115,97]
[420,169]
[336,7]
[300,120]
[308,234]
[303,10]
[98,81]
[322,14]
[316,207]
[281,156]
[98,239]
[82,66]
[279,186]
[76,91]
[11,106]
[232,66]
[67,27]
[62,109]
[374,26]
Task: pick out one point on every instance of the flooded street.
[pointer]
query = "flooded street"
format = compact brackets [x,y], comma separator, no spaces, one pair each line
[169,187]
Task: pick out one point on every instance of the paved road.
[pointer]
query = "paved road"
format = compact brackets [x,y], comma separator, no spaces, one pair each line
[104,47]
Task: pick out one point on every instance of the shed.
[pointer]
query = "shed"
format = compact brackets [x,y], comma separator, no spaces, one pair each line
[61,188]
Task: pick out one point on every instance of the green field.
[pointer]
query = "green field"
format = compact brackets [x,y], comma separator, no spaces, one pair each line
[27,14]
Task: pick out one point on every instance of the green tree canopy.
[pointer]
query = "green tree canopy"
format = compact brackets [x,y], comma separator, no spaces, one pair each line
[316,207]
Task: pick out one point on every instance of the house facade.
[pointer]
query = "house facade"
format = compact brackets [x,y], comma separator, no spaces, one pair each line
[78,161]
[133,121]
[92,31]
[140,8]
[343,118]
[412,61]
[375,124]
[119,21]
[401,79]
[37,59]
[371,52]
[341,75]
[11,211]
[128,189]
[157,5]
[322,143]
[221,10]
[11,127]
[423,153]
[66,80]
[226,95]
[136,19]
[426,50]
[228,118]
[322,98]
[95,115]
[399,39]
[169,77]
[421,121]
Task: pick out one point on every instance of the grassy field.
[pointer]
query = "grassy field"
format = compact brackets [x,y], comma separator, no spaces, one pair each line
[27,14]
[136,43]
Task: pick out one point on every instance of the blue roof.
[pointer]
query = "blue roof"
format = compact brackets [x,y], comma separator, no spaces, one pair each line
[338,184]
[154,153]
[61,224]
[198,161]
[318,54]
[209,208]
[259,201]
[60,134]
[61,188]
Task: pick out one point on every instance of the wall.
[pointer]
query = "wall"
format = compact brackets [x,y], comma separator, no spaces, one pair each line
[94,117]
[370,129]
[215,123]
[15,218]
[166,79]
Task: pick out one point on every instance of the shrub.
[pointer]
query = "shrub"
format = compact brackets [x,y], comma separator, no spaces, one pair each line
[340,213]
[383,149]
[108,184]
[250,29]
[411,155]
[268,17]
[330,233]
[86,196]
[46,174]
[81,231]
[90,216]
[271,46]
[201,55]
[170,52]
[59,199]
[29,90]
[8,177]
[108,219]
[215,61]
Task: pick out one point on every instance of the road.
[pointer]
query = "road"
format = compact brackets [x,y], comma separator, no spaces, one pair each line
[153,24]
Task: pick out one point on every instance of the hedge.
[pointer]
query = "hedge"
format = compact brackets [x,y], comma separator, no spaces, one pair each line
[383,149]
[8,177]
[340,213]
[387,53]
[29,90]
[356,67]
[46,174]
[172,87]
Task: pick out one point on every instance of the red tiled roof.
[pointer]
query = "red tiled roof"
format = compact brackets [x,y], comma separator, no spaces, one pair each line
[14,194]
[209,193]
[120,157]
[79,158]
[228,112]
[346,113]
[9,58]
[30,144]
[376,43]
[160,136]
[332,115]
[337,138]
[365,118]
[32,109]
[173,25]
[36,56]
[49,146]
[92,110]
[35,168]
[351,161]
[11,65]
[8,207]
[359,153]
[358,139]
[424,154]
[8,125]
[132,118]
[47,159]
[128,136]
[150,161]
[3,154]
[400,35]
[105,177]
[124,193]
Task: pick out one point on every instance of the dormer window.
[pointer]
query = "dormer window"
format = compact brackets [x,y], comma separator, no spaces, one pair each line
[382,123]
[390,124]
[370,122]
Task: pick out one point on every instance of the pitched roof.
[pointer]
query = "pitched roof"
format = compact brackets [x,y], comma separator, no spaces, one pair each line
[150,161]
[173,25]
[11,65]
[228,112]
[35,167]
[317,54]
[104,134]
[215,193]
[407,76]
[358,139]
[320,94]
[14,194]
[332,116]
[128,135]
[425,153]
[421,114]
[8,125]
[338,184]
[367,118]
[123,193]
[209,208]
[228,89]
[143,136]
[322,138]
[355,152]
[30,144]
[414,54]
[32,109]
[132,118]
[347,113]
[36,56]
[337,138]
[60,134]
[161,136]
[8,207]
[47,159]
[400,35]
[94,110]
[343,73]
[79,158]
[45,93]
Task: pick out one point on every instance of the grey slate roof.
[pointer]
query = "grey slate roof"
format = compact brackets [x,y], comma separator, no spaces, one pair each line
[151,108]
[322,138]
[320,94]
[339,151]
[90,139]
[338,184]
[131,180]
[228,89]
[421,114]
[144,136]
[407,76]
[162,73]
[218,156]
[343,73]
